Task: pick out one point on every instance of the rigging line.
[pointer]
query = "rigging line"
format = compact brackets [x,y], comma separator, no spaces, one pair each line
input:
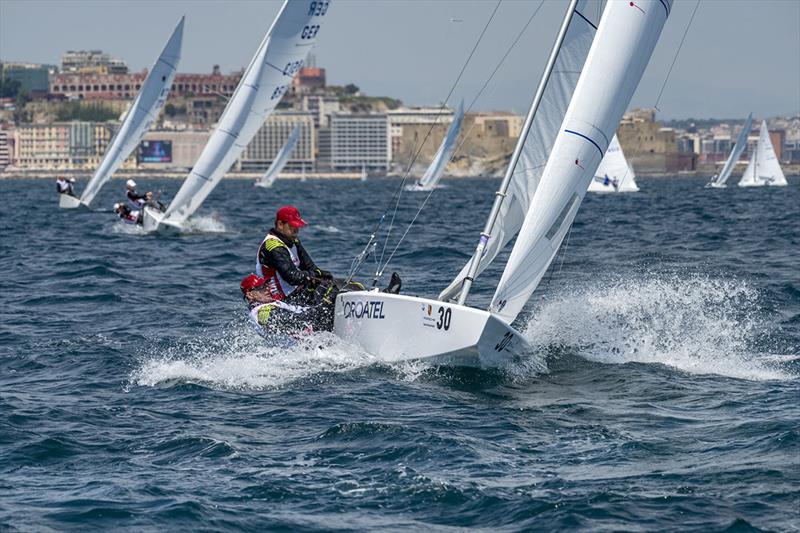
[472,126]
[399,192]
[677,52]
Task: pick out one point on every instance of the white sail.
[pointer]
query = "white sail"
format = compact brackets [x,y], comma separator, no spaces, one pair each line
[539,141]
[614,174]
[433,174]
[764,168]
[280,159]
[279,57]
[625,40]
[141,115]
[736,152]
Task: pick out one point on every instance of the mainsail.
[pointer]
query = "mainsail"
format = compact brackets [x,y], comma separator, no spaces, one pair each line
[280,159]
[557,93]
[433,174]
[614,174]
[625,39]
[140,116]
[733,158]
[764,168]
[280,56]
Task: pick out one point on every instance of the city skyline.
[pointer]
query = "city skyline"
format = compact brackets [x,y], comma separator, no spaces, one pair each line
[708,79]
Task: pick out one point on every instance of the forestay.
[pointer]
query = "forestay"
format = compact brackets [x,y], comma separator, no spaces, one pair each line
[281,158]
[764,168]
[733,158]
[280,56]
[614,174]
[539,141]
[625,40]
[433,174]
[141,115]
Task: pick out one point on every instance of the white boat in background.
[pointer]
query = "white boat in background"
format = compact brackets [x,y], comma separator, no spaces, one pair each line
[435,170]
[138,120]
[281,159]
[400,327]
[614,174]
[764,168]
[280,56]
[719,181]
[363,172]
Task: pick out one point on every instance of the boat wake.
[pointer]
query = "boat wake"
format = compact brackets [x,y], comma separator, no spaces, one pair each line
[240,359]
[695,324]
[211,223]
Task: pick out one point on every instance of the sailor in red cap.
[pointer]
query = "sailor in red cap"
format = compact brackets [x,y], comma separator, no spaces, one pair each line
[281,258]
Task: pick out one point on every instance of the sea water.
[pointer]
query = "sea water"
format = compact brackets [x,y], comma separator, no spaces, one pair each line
[661,391]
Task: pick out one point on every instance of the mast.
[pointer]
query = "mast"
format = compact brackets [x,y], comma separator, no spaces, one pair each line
[501,193]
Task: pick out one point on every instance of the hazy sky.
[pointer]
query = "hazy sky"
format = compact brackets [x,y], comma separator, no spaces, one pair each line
[739,55]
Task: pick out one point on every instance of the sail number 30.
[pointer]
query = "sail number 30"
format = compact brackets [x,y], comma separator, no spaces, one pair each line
[444,318]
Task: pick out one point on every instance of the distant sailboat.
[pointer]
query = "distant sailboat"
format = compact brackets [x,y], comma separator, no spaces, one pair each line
[280,56]
[397,327]
[718,182]
[363,172]
[433,174]
[280,160]
[614,174]
[764,168]
[138,120]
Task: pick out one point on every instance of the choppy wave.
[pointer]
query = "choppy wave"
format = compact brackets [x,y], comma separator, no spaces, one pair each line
[211,223]
[241,359]
[693,323]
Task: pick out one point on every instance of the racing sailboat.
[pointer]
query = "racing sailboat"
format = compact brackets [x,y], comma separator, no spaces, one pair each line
[280,160]
[398,327]
[718,182]
[280,56]
[433,174]
[137,122]
[614,174]
[764,168]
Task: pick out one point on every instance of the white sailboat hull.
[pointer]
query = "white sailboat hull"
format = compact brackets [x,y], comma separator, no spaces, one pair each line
[396,328]
[67,201]
[153,221]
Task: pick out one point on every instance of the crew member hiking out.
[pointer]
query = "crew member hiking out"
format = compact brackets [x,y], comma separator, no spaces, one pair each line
[65,186]
[136,201]
[127,214]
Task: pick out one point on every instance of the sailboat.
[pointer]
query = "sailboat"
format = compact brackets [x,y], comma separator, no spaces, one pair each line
[399,327]
[280,160]
[433,174]
[718,182]
[137,122]
[280,56]
[764,168]
[614,174]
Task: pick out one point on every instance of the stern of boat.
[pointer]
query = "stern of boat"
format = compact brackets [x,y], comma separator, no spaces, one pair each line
[67,201]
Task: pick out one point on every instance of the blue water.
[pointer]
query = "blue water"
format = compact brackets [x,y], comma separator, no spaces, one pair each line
[134,396]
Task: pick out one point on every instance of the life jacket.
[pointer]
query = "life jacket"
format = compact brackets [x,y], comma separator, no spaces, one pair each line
[279,288]
[63,186]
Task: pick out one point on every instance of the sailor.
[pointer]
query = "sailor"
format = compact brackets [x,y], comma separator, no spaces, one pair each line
[266,310]
[127,214]
[283,261]
[136,201]
[65,186]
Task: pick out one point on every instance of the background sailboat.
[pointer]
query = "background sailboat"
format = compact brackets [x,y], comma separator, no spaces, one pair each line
[140,117]
[719,181]
[280,56]
[280,159]
[435,170]
[764,168]
[614,174]
[397,327]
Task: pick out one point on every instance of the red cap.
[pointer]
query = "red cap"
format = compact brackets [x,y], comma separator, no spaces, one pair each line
[290,214]
[252,282]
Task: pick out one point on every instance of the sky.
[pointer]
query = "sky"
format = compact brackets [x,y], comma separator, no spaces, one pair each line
[739,55]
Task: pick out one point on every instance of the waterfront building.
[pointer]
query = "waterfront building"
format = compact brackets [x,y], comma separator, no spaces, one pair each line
[6,146]
[410,117]
[308,80]
[321,107]
[356,141]
[271,137]
[183,147]
[61,145]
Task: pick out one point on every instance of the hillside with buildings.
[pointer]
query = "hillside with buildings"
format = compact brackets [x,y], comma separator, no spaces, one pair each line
[61,118]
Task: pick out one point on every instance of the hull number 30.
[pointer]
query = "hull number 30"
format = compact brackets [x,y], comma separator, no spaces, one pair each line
[445,313]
